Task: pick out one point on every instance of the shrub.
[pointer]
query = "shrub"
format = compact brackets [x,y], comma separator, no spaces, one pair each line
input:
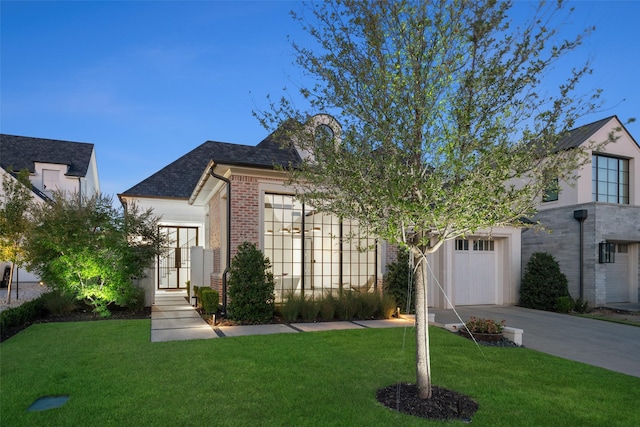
[543,283]
[209,300]
[387,306]
[251,286]
[564,304]
[309,309]
[367,304]
[290,308]
[399,283]
[347,306]
[59,303]
[484,326]
[328,306]
[581,306]
[24,313]
[89,247]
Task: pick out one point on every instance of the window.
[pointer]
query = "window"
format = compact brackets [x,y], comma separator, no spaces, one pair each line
[50,180]
[551,192]
[610,179]
[312,253]
[462,245]
[483,245]
[324,132]
[623,248]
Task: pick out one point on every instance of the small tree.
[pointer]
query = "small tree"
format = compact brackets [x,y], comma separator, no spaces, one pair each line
[543,283]
[251,286]
[446,123]
[85,246]
[15,204]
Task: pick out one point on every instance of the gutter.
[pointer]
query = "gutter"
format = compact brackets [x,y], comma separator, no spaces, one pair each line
[227,268]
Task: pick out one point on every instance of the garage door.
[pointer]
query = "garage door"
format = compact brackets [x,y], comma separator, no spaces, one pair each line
[618,275]
[474,272]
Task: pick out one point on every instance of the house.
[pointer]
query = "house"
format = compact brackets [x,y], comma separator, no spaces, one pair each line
[52,165]
[594,222]
[219,195]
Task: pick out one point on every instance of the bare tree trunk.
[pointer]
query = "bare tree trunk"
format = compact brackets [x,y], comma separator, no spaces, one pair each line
[9,283]
[423,362]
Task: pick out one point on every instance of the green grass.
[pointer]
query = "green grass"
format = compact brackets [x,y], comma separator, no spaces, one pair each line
[116,376]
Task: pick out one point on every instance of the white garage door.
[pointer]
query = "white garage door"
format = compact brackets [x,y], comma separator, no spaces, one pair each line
[474,272]
[618,275]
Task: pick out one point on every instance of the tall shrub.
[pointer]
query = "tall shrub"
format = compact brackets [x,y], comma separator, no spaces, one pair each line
[398,282]
[87,247]
[251,286]
[543,283]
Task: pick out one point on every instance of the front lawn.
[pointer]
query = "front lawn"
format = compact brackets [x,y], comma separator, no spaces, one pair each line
[115,376]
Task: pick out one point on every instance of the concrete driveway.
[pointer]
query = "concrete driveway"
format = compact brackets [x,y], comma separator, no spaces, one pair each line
[605,344]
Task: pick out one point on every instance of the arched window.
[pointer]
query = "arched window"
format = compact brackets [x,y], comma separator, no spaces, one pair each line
[324,133]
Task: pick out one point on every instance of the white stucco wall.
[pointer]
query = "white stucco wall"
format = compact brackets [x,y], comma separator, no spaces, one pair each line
[624,147]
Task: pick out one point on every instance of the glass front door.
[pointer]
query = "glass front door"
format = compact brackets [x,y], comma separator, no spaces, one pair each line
[174,268]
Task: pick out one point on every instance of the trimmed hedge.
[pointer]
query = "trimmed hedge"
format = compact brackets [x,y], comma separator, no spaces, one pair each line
[23,314]
[209,300]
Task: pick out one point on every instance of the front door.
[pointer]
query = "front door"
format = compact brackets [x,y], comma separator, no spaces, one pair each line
[174,268]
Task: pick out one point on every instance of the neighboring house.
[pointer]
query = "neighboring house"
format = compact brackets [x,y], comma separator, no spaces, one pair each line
[52,165]
[602,205]
[219,195]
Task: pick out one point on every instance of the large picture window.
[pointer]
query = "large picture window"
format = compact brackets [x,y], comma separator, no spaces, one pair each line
[610,179]
[312,254]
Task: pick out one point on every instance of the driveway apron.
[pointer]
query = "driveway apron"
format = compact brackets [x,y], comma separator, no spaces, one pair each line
[608,345]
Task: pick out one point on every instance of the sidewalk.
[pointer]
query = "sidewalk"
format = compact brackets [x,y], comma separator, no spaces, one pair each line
[173,319]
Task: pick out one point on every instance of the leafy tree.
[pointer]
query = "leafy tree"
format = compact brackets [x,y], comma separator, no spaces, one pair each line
[15,204]
[86,246]
[447,123]
[251,286]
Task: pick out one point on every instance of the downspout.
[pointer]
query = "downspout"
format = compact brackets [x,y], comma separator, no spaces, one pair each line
[581,215]
[227,268]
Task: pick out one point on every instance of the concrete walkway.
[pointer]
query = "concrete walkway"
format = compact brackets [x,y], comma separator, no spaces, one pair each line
[608,345]
[173,319]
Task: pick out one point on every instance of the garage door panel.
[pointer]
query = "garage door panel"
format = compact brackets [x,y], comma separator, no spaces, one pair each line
[474,277]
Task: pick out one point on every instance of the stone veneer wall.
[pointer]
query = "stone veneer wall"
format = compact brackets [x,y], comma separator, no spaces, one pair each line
[562,240]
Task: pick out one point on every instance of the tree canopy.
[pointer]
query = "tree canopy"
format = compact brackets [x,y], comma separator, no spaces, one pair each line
[15,206]
[86,246]
[444,120]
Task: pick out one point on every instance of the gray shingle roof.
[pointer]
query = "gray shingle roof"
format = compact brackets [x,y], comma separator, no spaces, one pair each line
[20,152]
[179,178]
[577,136]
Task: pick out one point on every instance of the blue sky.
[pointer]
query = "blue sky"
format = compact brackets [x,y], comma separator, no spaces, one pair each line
[148,81]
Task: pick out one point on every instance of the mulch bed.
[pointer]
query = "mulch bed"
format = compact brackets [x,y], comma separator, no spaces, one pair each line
[443,405]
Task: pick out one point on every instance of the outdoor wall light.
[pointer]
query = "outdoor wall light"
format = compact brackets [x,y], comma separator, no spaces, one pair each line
[606,253]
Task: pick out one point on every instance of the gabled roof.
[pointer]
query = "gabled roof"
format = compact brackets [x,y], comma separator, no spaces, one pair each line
[576,137]
[179,178]
[21,152]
